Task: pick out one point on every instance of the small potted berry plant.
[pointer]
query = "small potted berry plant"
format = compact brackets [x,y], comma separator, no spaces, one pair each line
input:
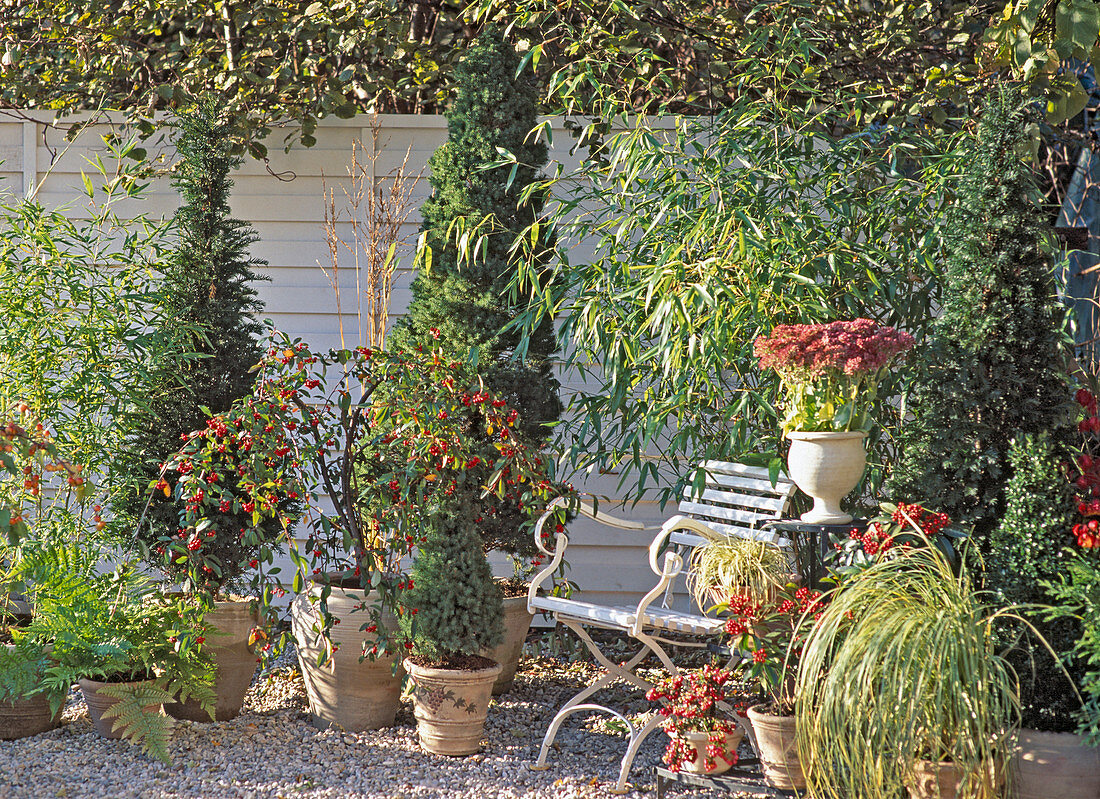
[703,735]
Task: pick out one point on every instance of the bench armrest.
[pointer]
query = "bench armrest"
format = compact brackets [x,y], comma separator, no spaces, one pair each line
[673,563]
[585,507]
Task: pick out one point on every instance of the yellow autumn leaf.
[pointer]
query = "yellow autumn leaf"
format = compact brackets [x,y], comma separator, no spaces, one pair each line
[167,490]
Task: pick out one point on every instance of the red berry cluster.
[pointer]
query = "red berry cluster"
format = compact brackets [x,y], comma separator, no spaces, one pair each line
[1085,474]
[690,704]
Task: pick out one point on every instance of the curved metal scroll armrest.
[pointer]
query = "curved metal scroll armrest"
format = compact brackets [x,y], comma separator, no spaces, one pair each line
[673,563]
[561,541]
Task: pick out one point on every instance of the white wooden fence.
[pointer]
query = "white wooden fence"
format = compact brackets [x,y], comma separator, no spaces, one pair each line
[283,202]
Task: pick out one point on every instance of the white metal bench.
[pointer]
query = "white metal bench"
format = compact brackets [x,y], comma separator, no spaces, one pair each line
[735,501]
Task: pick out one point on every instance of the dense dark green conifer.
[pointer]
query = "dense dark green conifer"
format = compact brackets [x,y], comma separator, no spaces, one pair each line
[462,306]
[207,287]
[1027,549]
[996,365]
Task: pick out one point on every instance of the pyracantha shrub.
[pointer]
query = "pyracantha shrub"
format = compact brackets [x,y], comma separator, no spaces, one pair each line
[689,703]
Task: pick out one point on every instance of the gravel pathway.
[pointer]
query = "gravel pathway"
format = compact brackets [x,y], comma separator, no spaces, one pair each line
[270,750]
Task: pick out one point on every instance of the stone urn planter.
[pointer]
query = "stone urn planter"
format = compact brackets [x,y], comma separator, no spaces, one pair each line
[1056,764]
[228,627]
[98,703]
[21,718]
[826,466]
[451,706]
[344,692]
[775,741]
[517,621]
[699,742]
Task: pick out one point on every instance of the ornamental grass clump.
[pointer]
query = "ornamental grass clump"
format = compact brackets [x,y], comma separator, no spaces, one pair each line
[690,704]
[902,667]
[830,372]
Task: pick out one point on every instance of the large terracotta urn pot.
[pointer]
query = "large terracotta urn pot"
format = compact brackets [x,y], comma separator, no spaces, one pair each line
[451,706]
[98,703]
[778,747]
[931,779]
[228,627]
[344,692]
[826,466]
[1056,764]
[20,718]
[517,621]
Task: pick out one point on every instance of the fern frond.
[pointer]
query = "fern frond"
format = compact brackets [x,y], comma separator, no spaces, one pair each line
[138,715]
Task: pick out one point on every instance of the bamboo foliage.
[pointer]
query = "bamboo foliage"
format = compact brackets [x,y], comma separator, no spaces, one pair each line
[902,667]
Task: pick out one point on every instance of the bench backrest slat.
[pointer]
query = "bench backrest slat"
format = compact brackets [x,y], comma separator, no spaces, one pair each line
[736,500]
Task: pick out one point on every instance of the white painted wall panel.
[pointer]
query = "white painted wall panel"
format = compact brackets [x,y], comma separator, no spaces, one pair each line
[286,208]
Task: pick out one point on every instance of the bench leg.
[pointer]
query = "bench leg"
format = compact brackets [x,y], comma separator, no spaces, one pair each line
[636,738]
[614,671]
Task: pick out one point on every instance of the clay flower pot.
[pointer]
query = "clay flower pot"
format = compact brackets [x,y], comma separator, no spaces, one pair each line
[228,627]
[778,748]
[931,779]
[344,692]
[826,466]
[451,706]
[20,718]
[517,621]
[1056,764]
[98,703]
[699,741]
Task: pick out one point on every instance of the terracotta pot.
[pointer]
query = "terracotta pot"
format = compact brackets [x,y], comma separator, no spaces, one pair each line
[778,749]
[826,466]
[699,741]
[20,718]
[940,780]
[451,706]
[1056,764]
[98,703]
[517,621]
[345,692]
[227,629]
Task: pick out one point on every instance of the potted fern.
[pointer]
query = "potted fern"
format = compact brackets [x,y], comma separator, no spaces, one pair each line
[128,647]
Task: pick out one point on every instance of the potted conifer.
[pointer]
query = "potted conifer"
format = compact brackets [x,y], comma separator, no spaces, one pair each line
[210,331]
[461,302]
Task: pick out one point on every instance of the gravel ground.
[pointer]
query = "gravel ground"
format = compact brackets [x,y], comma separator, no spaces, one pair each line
[270,750]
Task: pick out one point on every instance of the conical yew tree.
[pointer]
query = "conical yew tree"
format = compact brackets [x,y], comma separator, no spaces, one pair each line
[208,295]
[996,365]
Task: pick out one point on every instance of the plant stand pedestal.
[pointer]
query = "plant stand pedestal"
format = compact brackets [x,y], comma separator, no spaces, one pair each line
[745,777]
[811,544]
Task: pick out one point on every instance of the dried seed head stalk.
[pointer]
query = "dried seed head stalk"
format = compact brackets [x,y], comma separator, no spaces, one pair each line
[378,207]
